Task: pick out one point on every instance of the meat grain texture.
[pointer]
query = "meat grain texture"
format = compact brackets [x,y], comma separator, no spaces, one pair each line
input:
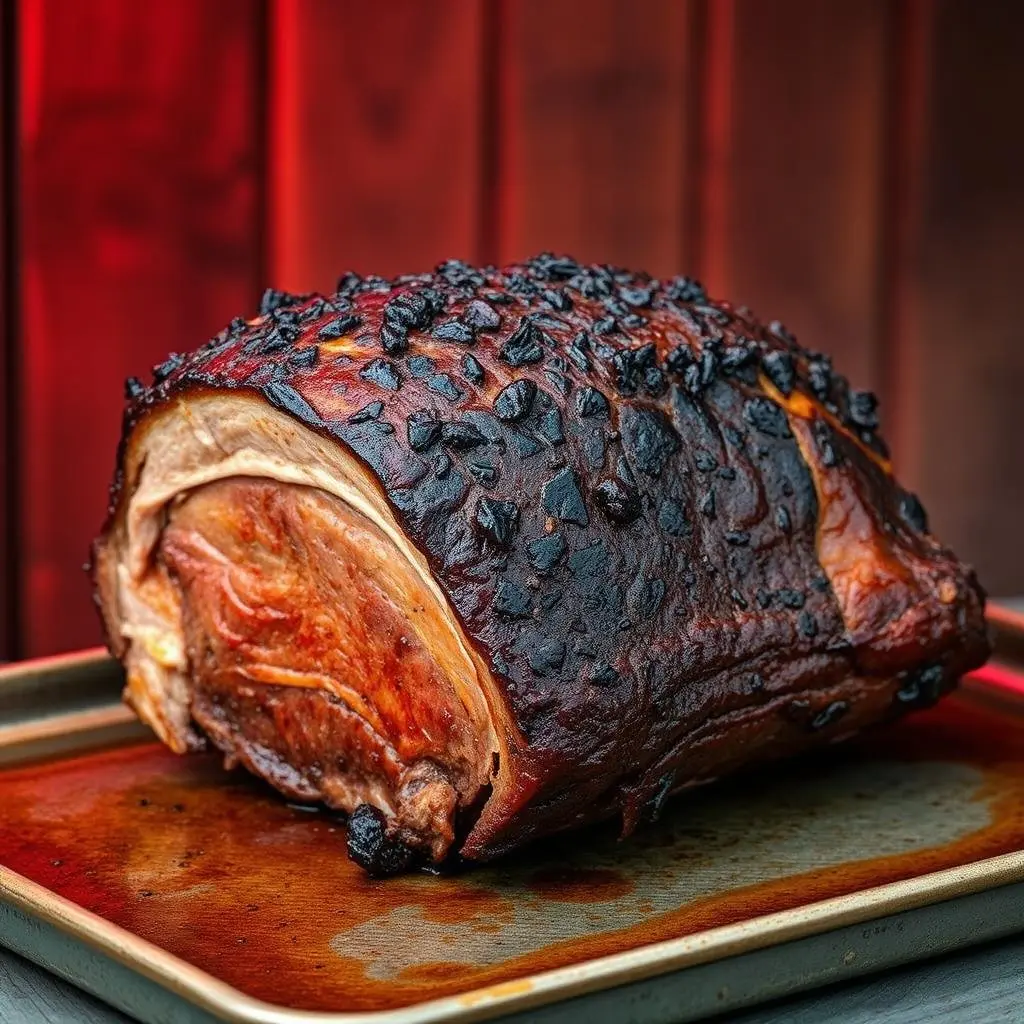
[485,554]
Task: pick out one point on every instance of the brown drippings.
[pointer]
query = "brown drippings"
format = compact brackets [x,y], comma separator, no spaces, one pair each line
[217,869]
[580,885]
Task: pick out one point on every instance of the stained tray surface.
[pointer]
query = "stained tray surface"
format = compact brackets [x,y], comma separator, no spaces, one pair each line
[218,870]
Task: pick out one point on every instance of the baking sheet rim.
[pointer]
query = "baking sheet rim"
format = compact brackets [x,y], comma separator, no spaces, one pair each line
[221,999]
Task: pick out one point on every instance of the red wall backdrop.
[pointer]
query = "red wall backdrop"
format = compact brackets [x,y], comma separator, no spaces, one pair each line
[8,581]
[854,168]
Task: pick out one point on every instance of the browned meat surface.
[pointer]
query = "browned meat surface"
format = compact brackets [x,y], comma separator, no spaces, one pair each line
[306,669]
[489,554]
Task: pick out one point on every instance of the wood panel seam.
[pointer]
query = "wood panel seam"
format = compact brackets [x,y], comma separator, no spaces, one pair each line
[906,73]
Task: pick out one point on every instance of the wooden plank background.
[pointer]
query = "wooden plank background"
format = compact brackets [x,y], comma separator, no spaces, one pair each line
[959,349]
[852,168]
[377,115]
[140,229]
[794,170]
[594,136]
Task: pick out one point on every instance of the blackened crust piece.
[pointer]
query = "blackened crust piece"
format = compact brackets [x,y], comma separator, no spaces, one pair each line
[671,532]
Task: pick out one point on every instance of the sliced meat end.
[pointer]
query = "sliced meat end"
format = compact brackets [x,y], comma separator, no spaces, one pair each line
[317,660]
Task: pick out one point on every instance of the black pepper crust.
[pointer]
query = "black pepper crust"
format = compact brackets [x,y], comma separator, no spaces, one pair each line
[626,492]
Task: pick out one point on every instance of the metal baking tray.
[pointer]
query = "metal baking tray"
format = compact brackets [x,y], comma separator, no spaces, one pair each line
[179,892]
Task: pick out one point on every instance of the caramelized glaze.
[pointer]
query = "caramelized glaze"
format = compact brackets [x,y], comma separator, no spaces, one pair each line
[218,870]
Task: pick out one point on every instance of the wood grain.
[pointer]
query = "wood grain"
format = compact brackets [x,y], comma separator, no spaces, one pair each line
[791,168]
[964,988]
[959,361]
[139,163]
[8,295]
[850,168]
[375,138]
[31,996]
[595,102]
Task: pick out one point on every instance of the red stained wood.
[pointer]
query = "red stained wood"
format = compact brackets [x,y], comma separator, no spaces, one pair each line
[594,117]
[139,159]
[792,168]
[376,151]
[959,360]
[7,325]
[850,168]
